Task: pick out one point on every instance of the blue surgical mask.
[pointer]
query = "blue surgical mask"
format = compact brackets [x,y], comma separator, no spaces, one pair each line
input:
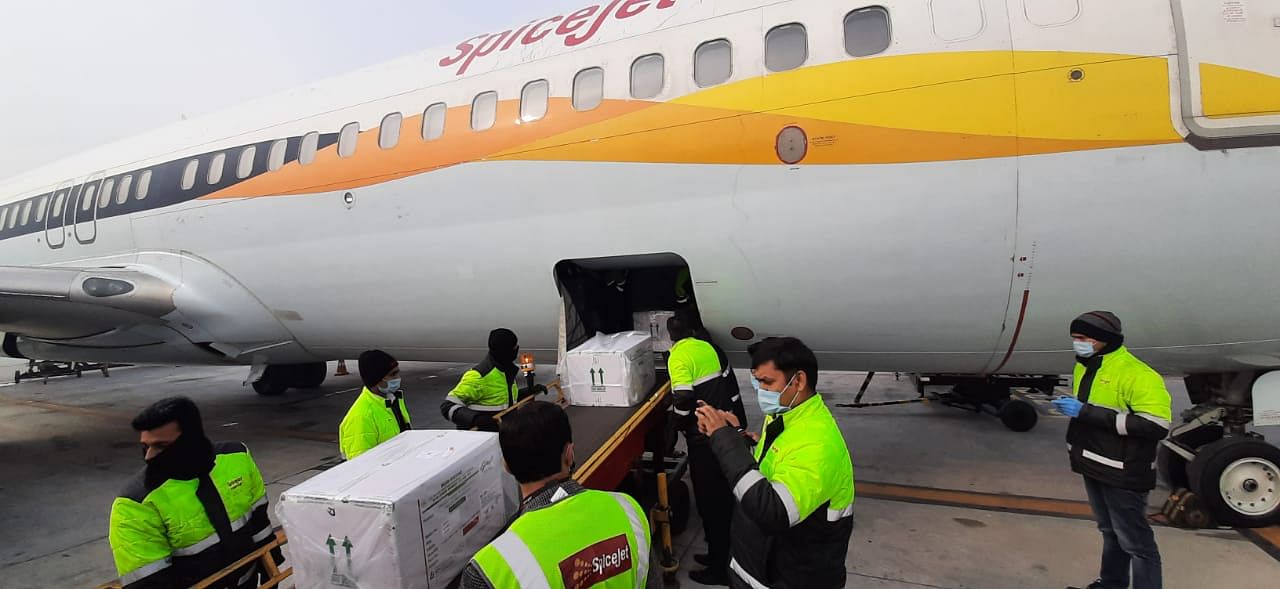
[771,401]
[1083,349]
[391,387]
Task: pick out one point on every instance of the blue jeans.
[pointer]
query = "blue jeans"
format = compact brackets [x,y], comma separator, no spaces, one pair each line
[1127,539]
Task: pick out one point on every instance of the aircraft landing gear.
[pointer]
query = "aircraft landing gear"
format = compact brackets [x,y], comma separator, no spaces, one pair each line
[277,379]
[991,394]
[1220,473]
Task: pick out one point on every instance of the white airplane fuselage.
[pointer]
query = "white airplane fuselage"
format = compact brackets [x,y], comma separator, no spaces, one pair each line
[997,170]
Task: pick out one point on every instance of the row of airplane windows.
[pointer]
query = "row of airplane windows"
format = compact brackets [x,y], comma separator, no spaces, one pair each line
[866,32]
[101,192]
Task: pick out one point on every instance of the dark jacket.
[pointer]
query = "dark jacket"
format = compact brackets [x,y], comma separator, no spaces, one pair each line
[1126,413]
[794,515]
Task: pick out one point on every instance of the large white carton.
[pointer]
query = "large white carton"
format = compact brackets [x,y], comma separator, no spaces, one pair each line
[408,513]
[611,370]
[655,323]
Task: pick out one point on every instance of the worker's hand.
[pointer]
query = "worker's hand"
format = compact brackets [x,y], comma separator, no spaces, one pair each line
[753,436]
[730,417]
[1069,406]
[485,423]
[711,420]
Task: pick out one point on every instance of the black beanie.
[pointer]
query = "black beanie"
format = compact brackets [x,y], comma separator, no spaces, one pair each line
[374,366]
[1103,326]
[503,345]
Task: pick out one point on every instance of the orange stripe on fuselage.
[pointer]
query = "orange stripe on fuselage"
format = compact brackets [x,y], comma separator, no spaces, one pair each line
[459,144]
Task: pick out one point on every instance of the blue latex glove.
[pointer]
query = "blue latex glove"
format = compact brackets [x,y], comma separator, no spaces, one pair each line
[1069,406]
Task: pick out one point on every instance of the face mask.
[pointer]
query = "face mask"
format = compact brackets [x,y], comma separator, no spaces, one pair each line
[771,401]
[1083,349]
[391,387]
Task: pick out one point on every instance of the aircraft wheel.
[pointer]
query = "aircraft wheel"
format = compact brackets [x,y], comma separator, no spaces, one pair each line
[310,376]
[1238,479]
[273,382]
[1019,415]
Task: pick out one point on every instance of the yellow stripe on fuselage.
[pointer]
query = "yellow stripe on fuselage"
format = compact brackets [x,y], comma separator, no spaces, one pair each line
[891,109]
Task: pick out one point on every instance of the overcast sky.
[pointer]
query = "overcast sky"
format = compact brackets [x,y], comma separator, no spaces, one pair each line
[76,74]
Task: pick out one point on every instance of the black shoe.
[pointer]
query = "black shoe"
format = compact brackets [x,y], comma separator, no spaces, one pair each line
[703,559]
[1097,584]
[710,577]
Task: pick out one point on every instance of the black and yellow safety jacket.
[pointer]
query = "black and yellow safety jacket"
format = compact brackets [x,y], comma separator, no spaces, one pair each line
[483,391]
[794,515]
[1126,413]
[176,532]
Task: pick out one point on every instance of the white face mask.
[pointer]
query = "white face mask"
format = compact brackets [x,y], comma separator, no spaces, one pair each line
[1083,349]
[390,388]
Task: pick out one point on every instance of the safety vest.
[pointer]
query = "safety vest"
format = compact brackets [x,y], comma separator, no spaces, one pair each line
[485,388]
[165,530]
[368,423]
[1118,381]
[591,539]
[803,457]
[693,367]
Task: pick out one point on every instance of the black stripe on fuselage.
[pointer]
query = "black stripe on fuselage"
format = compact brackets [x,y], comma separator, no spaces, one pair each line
[164,189]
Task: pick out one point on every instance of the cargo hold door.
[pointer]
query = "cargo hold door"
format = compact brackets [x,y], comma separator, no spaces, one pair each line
[1229,70]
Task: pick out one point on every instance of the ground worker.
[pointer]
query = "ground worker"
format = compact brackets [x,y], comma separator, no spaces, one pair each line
[195,508]
[1120,410]
[794,516]
[728,383]
[488,388]
[696,373]
[379,413]
[565,535]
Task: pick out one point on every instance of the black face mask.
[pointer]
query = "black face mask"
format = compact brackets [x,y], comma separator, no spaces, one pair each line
[187,458]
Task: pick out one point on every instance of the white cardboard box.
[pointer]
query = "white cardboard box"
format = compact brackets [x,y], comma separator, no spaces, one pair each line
[611,370]
[655,323]
[408,513]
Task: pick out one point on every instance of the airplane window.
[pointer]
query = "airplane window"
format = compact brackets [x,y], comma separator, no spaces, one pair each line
[189,174]
[786,47]
[275,158]
[121,196]
[648,76]
[389,131]
[713,63]
[433,121]
[347,138]
[246,162]
[588,89]
[144,184]
[866,31]
[4,213]
[533,100]
[218,162]
[40,206]
[307,152]
[484,111]
[26,212]
[104,198]
[88,197]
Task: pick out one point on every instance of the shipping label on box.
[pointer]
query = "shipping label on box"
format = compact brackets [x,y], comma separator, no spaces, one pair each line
[613,370]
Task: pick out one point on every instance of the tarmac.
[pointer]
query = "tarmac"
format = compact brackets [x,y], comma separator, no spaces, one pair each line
[945,498]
